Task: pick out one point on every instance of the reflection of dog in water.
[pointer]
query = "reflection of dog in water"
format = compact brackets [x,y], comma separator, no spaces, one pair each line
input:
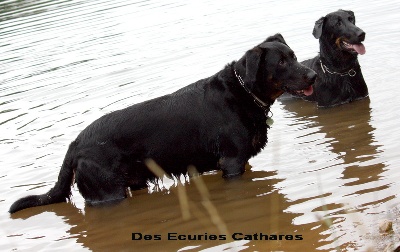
[118,221]
[339,74]
[217,122]
[350,132]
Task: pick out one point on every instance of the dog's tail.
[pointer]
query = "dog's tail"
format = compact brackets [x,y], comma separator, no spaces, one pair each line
[59,193]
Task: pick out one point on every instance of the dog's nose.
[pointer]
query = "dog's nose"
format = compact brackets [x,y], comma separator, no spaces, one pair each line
[361,35]
[311,76]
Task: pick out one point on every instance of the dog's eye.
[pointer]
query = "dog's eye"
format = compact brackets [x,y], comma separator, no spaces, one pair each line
[351,19]
[281,62]
[294,57]
[339,23]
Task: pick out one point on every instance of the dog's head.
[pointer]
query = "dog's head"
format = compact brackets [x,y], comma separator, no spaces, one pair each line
[340,28]
[271,68]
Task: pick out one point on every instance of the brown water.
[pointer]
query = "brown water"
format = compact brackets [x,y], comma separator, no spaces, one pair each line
[326,175]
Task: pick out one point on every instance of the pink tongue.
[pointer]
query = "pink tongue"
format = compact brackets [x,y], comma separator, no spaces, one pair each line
[359,48]
[308,91]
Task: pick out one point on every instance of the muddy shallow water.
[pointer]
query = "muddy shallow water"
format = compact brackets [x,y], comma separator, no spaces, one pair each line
[325,179]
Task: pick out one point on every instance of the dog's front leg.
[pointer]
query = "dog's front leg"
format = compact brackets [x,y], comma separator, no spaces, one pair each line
[232,167]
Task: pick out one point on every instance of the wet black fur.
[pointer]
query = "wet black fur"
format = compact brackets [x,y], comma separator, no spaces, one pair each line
[211,124]
[333,89]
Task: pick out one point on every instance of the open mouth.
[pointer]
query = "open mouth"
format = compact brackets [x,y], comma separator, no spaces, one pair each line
[308,91]
[356,48]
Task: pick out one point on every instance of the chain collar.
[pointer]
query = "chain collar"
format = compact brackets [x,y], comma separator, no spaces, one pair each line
[350,73]
[264,106]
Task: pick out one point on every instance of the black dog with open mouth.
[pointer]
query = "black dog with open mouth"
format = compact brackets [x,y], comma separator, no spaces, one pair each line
[339,78]
[218,122]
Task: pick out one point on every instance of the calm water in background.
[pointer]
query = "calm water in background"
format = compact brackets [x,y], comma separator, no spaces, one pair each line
[65,63]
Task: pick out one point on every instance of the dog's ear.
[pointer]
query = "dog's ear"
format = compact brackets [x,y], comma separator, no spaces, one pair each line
[277,37]
[253,59]
[351,13]
[318,27]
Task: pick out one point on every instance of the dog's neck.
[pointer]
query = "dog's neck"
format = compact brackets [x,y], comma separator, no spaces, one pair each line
[326,70]
[257,100]
[265,106]
[338,60]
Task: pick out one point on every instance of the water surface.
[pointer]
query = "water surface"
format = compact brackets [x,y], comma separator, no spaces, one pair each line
[328,175]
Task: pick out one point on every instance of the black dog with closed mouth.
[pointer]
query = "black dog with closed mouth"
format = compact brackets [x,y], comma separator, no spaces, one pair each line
[339,78]
[217,122]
